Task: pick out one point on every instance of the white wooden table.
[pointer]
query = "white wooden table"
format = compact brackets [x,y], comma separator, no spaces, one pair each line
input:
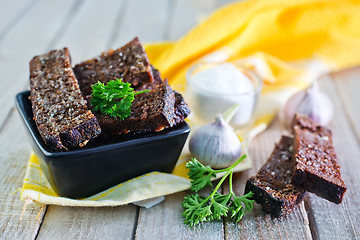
[88,27]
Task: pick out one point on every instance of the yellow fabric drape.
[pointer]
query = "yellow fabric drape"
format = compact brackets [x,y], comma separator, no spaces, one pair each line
[287,30]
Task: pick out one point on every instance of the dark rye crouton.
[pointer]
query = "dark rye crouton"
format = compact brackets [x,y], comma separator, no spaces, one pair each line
[182,109]
[316,167]
[129,63]
[272,185]
[60,112]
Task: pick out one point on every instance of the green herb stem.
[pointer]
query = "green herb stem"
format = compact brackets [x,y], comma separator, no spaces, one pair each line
[230,183]
[219,184]
[143,91]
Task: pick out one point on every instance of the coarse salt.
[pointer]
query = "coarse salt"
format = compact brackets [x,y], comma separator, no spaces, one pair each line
[219,87]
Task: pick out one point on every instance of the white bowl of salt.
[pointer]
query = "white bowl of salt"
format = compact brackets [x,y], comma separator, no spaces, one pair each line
[214,87]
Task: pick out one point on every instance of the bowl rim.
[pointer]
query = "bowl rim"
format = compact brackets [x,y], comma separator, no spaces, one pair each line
[20,104]
[252,74]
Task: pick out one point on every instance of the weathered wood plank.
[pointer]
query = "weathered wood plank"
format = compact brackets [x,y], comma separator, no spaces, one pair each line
[15,151]
[86,37]
[12,13]
[256,224]
[28,38]
[14,56]
[145,19]
[348,85]
[188,13]
[88,223]
[331,221]
[164,221]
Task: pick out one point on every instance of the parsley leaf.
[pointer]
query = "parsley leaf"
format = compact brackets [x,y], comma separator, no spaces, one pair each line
[199,174]
[238,211]
[200,209]
[113,99]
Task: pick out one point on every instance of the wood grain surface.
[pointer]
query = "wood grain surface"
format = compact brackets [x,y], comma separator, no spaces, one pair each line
[88,27]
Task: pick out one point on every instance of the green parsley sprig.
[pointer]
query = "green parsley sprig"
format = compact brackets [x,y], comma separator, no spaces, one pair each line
[113,99]
[200,209]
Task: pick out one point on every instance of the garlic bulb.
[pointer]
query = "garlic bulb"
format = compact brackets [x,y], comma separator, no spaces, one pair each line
[215,144]
[311,102]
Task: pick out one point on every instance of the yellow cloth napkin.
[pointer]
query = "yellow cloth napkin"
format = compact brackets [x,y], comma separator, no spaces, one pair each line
[289,43]
[286,30]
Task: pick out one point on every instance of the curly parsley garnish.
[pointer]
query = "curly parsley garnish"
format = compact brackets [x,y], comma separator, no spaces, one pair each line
[113,99]
[199,209]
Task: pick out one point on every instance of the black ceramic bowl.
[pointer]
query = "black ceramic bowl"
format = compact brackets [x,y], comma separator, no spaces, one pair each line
[103,163]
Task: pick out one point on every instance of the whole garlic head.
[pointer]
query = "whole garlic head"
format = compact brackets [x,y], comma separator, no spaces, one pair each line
[311,102]
[215,144]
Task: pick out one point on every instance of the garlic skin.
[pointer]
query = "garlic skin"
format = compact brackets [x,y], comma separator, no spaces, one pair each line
[215,144]
[311,102]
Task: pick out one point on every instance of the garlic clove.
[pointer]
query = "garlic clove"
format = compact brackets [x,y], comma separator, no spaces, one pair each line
[215,144]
